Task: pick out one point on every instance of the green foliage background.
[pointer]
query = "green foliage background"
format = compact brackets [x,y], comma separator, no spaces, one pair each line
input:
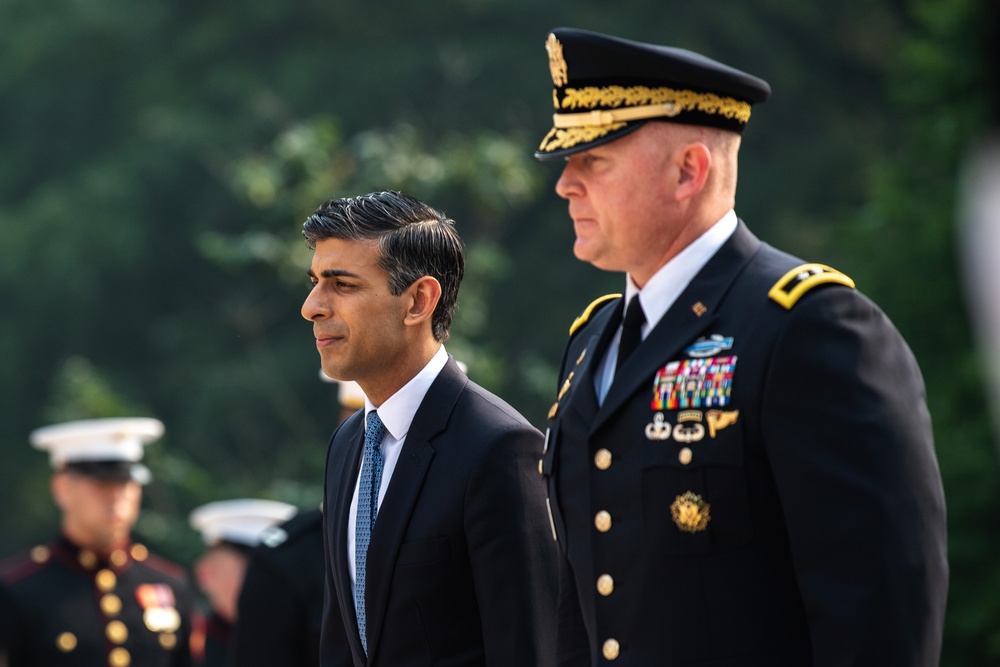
[157,159]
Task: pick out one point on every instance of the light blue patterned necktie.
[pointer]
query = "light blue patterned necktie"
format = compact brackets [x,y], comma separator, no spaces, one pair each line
[371,481]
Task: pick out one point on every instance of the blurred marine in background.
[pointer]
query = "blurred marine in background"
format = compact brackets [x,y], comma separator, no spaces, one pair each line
[740,461]
[93,597]
[281,602]
[231,529]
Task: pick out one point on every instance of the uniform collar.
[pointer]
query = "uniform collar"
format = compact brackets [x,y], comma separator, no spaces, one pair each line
[663,288]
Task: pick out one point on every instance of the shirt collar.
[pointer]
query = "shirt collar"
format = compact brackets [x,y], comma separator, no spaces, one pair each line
[663,288]
[398,410]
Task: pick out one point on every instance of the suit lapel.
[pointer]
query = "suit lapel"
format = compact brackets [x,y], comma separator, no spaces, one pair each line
[691,314]
[345,473]
[404,488]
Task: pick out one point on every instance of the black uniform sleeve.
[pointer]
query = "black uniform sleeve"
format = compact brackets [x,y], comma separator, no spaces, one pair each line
[848,435]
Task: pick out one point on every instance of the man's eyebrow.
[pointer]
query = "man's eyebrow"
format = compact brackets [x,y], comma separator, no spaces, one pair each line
[332,273]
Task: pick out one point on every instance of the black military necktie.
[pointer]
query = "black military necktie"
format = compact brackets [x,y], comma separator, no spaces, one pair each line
[631,331]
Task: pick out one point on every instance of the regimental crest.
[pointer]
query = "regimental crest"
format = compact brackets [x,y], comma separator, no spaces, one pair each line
[557,64]
[690,512]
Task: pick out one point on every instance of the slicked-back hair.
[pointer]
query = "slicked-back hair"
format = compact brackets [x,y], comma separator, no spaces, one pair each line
[414,240]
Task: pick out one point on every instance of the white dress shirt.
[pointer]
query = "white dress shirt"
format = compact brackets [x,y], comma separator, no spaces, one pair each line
[663,288]
[397,414]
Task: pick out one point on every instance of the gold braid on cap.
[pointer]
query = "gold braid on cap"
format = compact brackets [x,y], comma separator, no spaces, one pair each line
[622,104]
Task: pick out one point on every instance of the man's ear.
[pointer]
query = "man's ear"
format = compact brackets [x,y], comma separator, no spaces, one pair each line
[425,294]
[694,161]
[59,484]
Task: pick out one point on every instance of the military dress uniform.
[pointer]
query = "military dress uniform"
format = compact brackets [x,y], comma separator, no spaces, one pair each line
[758,486]
[281,603]
[233,526]
[761,463]
[62,605]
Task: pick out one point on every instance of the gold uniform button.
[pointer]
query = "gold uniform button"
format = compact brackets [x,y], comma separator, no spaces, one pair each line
[111,604]
[66,642]
[611,649]
[602,459]
[119,557]
[140,552]
[605,585]
[602,521]
[87,559]
[106,580]
[168,640]
[40,554]
[539,466]
[685,456]
[119,657]
[116,632]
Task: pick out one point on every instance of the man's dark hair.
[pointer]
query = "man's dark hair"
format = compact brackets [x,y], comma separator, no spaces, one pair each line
[414,241]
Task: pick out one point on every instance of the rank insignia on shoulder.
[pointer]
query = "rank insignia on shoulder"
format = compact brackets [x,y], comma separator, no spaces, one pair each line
[594,306]
[690,512]
[794,284]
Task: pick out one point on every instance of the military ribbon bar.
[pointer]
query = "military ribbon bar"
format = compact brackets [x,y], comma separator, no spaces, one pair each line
[694,383]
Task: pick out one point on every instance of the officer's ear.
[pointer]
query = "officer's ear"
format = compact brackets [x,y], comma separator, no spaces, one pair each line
[694,162]
[60,484]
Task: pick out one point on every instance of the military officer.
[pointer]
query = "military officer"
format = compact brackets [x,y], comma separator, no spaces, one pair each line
[92,596]
[739,462]
[230,529]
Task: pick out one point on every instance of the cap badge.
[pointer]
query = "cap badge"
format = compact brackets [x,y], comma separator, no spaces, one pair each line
[690,512]
[709,347]
[557,64]
[694,383]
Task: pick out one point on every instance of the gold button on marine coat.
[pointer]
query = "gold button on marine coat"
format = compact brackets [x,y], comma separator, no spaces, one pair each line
[605,585]
[139,552]
[602,459]
[87,559]
[119,657]
[602,521]
[168,640]
[119,557]
[106,580]
[66,642]
[685,456]
[611,649]
[116,632]
[111,604]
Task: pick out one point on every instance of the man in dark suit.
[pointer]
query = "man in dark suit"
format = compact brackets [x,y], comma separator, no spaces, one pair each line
[740,461]
[438,546]
[92,596]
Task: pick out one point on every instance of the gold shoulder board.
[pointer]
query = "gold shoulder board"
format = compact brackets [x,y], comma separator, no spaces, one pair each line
[589,310]
[790,288]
